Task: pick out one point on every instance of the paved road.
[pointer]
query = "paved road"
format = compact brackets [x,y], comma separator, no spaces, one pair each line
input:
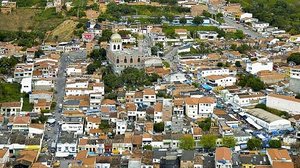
[53,133]
[231,22]
[172,57]
[245,29]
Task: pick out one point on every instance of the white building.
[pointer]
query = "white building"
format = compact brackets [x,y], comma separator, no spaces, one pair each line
[158,114]
[294,84]
[260,65]
[121,127]
[213,71]
[260,26]
[199,107]
[248,99]
[149,97]
[176,77]
[23,70]
[73,124]
[284,103]
[26,85]
[36,129]
[207,35]
[66,145]
[220,80]
[270,122]
[246,16]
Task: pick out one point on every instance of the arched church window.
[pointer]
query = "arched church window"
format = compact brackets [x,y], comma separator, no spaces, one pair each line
[114,47]
[118,60]
[131,60]
[139,60]
[125,60]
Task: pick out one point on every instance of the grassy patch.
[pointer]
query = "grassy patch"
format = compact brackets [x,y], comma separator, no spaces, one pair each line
[31,3]
[170,30]
[31,20]
[10,92]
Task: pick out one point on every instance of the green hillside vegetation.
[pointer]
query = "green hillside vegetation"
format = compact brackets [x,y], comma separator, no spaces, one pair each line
[284,14]
[10,92]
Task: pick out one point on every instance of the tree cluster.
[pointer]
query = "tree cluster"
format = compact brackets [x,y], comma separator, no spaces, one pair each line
[130,77]
[187,142]
[98,56]
[294,57]
[205,125]
[282,14]
[254,144]
[159,127]
[251,81]
[7,65]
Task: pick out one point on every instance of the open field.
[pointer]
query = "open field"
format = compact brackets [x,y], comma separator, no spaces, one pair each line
[19,19]
[63,32]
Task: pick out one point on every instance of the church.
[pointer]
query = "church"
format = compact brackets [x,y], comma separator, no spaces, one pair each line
[121,58]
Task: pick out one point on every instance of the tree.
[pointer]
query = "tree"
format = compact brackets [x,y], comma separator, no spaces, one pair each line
[243,48]
[254,144]
[91,68]
[297,96]
[159,127]
[251,81]
[182,21]
[147,147]
[42,118]
[206,13]
[205,125]
[208,141]
[170,17]
[220,64]
[124,33]
[187,142]
[275,143]
[198,20]
[98,54]
[106,34]
[38,53]
[237,64]
[229,142]
[104,125]
[294,57]
[219,15]
[166,64]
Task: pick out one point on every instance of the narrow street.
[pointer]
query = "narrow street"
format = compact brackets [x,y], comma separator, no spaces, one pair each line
[172,57]
[53,132]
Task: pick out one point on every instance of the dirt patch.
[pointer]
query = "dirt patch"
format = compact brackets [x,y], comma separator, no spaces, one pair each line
[19,19]
[63,32]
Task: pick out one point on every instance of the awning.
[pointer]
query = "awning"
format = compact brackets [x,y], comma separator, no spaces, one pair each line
[253,123]
[206,87]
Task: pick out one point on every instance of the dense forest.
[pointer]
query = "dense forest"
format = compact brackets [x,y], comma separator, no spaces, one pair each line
[284,14]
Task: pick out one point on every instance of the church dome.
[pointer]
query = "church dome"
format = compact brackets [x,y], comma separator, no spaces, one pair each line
[116,37]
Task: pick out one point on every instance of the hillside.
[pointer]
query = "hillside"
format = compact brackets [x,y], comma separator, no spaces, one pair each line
[284,14]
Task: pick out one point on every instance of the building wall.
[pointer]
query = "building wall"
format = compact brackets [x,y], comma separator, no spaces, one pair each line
[294,85]
[199,111]
[220,71]
[253,68]
[78,128]
[283,104]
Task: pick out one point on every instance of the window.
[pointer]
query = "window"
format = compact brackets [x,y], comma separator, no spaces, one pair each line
[114,47]
[131,60]
[118,61]
[139,60]
[125,60]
